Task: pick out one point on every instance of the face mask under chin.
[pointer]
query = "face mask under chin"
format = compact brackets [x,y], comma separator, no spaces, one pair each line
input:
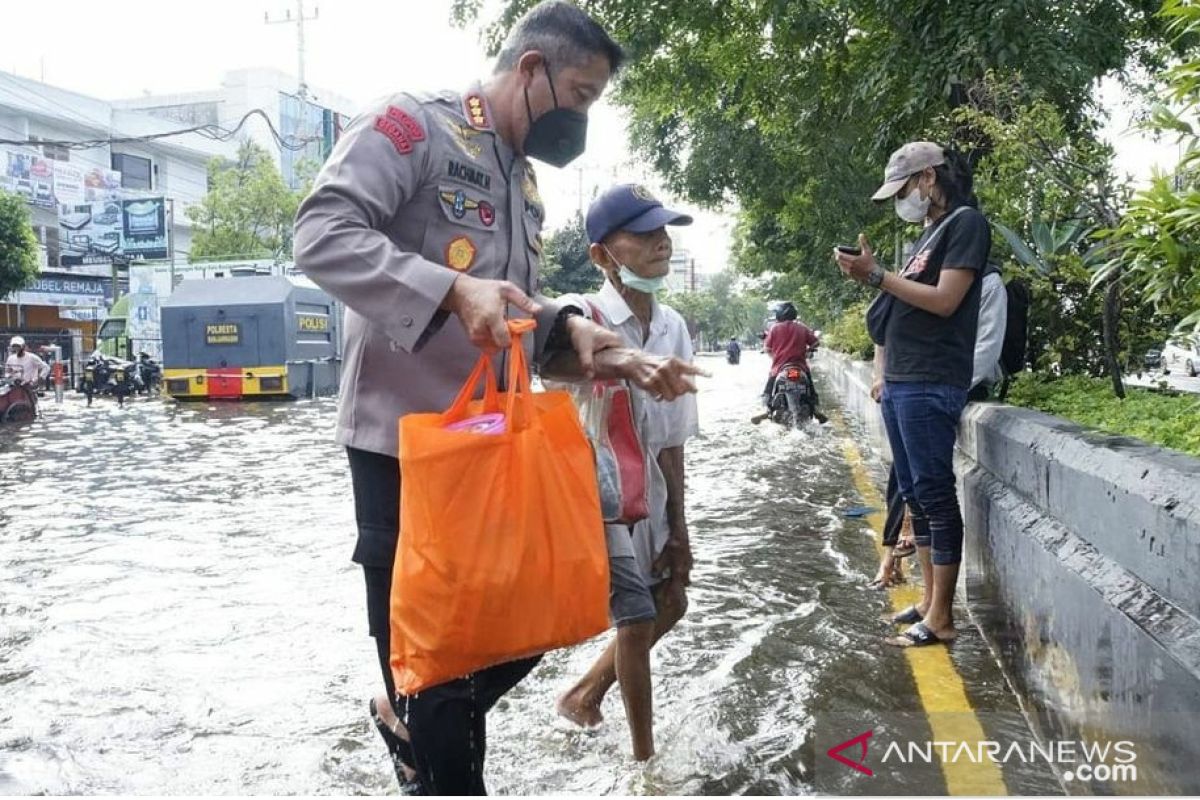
[637,283]
[631,280]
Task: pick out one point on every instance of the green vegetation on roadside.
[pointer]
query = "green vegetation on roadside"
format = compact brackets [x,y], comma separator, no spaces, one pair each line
[1163,418]
[849,333]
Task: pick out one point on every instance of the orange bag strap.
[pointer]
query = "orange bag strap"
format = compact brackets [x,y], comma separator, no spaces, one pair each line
[519,412]
[491,394]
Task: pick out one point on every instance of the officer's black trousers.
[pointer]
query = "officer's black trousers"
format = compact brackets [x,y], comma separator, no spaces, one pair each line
[447,723]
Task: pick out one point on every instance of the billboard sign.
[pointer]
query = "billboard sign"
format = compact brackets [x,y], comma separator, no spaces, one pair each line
[96,232]
[144,228]
[30,177]
[67,291]
[68,184]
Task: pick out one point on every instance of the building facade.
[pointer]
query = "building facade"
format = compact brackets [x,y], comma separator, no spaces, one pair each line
[295,129]
[111,216]
[96,203]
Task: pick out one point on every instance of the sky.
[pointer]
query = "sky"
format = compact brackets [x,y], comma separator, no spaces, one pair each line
[361,49]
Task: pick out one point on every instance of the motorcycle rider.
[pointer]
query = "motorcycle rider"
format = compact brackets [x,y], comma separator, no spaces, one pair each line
[149,373]
[23,366]
[789,342]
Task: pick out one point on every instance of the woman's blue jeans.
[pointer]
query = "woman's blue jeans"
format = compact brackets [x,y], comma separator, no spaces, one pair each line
[922,424]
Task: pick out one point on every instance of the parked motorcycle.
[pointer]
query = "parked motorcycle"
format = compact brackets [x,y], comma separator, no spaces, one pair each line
[108,375]
[18,401]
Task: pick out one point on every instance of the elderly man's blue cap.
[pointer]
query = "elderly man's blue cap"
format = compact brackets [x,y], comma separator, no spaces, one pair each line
[629,207]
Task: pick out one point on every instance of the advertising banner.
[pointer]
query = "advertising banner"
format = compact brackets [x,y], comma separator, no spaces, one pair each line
[144,326]
[31,177]
[93,233]
[144,231]
[68,184]
[101,184]
[67,291]
[89,233]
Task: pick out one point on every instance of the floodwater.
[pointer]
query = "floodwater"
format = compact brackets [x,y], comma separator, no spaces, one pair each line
[179,614]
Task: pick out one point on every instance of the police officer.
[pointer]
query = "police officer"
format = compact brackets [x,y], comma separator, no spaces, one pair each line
[428,208]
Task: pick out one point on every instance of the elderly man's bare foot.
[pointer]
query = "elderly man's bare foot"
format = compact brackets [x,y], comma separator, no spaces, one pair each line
[576,707]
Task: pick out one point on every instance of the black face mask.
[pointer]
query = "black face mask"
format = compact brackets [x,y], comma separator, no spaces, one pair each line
[557,137]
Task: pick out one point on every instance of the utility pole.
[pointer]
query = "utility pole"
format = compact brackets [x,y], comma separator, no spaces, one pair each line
[171,241]
[579,196]
[299,21]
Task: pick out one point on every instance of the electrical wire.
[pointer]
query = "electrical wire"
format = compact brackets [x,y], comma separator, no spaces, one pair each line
[211,131]
[208,131]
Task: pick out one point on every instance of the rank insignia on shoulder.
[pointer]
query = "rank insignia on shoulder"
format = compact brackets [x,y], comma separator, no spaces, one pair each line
[476,110]
[460,253]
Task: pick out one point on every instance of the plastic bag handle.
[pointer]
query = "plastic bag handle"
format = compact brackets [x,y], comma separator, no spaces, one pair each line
[519,411]
[491,394]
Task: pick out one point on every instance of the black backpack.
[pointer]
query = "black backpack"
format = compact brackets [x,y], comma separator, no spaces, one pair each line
[1016,330]
[1016,333]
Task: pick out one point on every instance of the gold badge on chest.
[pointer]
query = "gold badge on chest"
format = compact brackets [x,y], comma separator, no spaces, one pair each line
[460,253]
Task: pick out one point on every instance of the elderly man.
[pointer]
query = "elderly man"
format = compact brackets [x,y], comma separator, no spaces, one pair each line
[428,208]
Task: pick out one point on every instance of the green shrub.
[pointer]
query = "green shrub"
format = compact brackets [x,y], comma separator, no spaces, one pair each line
[1166,419]
[849,334]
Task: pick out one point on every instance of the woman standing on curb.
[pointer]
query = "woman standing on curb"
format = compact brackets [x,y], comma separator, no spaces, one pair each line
[925,322]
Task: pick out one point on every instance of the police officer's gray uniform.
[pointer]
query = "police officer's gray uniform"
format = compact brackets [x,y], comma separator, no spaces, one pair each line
[419,189]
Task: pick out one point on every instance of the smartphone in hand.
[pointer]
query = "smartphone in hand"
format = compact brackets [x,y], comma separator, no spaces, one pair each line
[848,250]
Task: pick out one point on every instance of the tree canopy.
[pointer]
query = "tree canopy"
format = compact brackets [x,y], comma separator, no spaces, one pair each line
[248,211]
[566,266]
[18,245]
[791,108]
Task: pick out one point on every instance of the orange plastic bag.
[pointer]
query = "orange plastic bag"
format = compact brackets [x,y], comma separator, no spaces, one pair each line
[501,552]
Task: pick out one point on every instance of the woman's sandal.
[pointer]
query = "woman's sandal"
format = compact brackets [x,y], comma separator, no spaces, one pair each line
[909,616]
[400,751]
[919,635]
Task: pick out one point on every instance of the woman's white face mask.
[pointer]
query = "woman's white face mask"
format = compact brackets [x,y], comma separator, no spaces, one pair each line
[912,207]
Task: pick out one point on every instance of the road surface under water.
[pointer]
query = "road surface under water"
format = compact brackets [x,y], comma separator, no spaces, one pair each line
[178,614]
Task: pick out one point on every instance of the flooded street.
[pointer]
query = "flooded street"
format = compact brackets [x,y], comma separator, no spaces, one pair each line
[179,614]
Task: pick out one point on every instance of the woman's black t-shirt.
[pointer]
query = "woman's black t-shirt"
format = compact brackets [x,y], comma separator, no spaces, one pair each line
[920,346]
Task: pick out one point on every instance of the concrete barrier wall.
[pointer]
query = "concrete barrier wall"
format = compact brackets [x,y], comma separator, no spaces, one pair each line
[1082,567]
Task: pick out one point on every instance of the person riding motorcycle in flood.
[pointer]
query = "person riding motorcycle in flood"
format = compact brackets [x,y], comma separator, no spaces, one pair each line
[23,366]
[789,342]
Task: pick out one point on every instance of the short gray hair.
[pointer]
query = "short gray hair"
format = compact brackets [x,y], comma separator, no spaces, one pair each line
[561,32]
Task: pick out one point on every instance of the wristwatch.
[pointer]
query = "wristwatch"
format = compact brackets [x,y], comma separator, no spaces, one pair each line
[875,278]
[560,338]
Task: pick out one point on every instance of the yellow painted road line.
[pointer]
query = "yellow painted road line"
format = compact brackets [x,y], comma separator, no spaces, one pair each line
[939,686]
